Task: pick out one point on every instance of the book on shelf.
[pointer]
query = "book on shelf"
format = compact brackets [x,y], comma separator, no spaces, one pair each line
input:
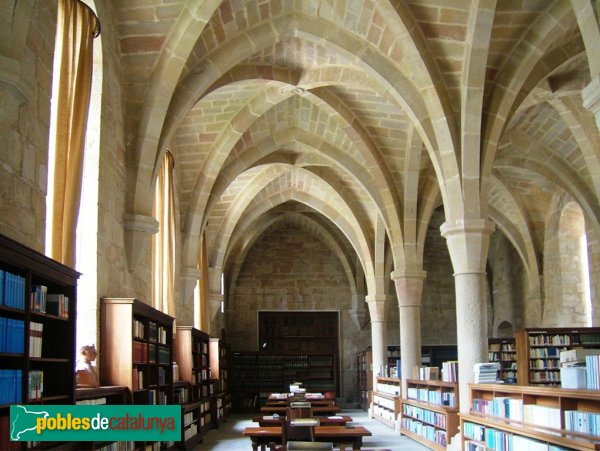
[37,301]
[450,371]
[12,335]
[426,373]
[57,304]
[12,292]
[36,331]
[573,377]
[10,386]
[582,422]
[486,372]
[592,365]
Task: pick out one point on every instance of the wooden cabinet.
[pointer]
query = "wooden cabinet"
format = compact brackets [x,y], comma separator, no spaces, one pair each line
[137,349]
[429,412]
[364,364]
[538,351]
[520,417]
[37,331]
[192,391]
[386,400]
[504,351]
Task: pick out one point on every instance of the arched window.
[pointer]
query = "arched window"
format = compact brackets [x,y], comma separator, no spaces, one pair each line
[574,265]
[163,243]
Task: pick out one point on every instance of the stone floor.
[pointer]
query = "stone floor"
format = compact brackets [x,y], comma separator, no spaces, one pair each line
[229,436]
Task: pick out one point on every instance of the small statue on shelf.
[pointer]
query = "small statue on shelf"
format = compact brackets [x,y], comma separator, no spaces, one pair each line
[85,372]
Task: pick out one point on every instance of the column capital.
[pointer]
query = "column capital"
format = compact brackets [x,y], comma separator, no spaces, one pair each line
[376,305]
[591,95]
[409,287]
[407,273]
[467,243]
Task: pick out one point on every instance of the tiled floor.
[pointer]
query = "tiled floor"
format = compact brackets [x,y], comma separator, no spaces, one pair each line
[229,436]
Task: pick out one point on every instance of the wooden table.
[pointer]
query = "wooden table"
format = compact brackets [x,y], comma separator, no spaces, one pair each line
[263,435]
[341,435]
[282,410]
[323,420]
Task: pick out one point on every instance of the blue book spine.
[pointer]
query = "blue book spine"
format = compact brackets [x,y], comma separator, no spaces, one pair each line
[1,287]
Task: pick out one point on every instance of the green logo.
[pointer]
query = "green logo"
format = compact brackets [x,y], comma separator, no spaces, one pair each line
[95,423]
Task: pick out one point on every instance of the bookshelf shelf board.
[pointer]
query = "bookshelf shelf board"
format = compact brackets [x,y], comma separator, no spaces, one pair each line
[430,406]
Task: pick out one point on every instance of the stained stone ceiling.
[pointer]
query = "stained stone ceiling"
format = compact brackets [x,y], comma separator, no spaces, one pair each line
[357,118]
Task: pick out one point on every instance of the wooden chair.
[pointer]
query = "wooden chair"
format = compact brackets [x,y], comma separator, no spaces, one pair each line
[299,410]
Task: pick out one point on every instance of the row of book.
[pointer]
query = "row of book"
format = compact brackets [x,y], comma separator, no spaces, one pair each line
[157,333]
[430,432]
[501,406]
[10,386]
[91,402]
[12,290]
[592,365]
[492,439]
[433,396]
[12,336]
[544,339]
[52,303]
[582,422]
[428,416]
[36,332]
[35,389]
[450,371]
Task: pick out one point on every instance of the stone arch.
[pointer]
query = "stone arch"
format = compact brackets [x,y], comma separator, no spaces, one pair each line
[515,74]
[505,330]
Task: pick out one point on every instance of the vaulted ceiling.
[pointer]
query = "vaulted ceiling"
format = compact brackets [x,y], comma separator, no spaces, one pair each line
[355,119]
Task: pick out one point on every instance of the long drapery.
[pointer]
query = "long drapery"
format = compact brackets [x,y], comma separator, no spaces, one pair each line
[77,26]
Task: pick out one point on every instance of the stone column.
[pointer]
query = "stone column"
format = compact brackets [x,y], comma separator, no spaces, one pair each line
[377,311]
[468,246]
[409,290]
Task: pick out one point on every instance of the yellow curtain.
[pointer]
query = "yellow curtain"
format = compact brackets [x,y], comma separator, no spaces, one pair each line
[76,28]
[204,301]
[163,248]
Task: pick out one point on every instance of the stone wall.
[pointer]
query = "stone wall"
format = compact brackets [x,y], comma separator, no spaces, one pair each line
[27,32]
[288,269]
[438,314]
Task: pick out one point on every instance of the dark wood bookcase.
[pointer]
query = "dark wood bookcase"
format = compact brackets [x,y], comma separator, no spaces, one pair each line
[298,332]
[538,351]
[504,351]
[255,374]
[364,364]
[192,391]
[137,349]
[219,373]
[24,269]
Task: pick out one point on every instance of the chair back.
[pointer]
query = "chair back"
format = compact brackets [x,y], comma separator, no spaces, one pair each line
[298,433]
[299,410]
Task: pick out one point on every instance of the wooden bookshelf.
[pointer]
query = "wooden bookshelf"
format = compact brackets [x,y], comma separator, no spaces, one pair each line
[192,391]
[431,355]
[219,374]
[364,364]
[52,353]
[538,351]
[255,374]
[137,349]
[534,416]
[429,412]
[504,351]
[387,395]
